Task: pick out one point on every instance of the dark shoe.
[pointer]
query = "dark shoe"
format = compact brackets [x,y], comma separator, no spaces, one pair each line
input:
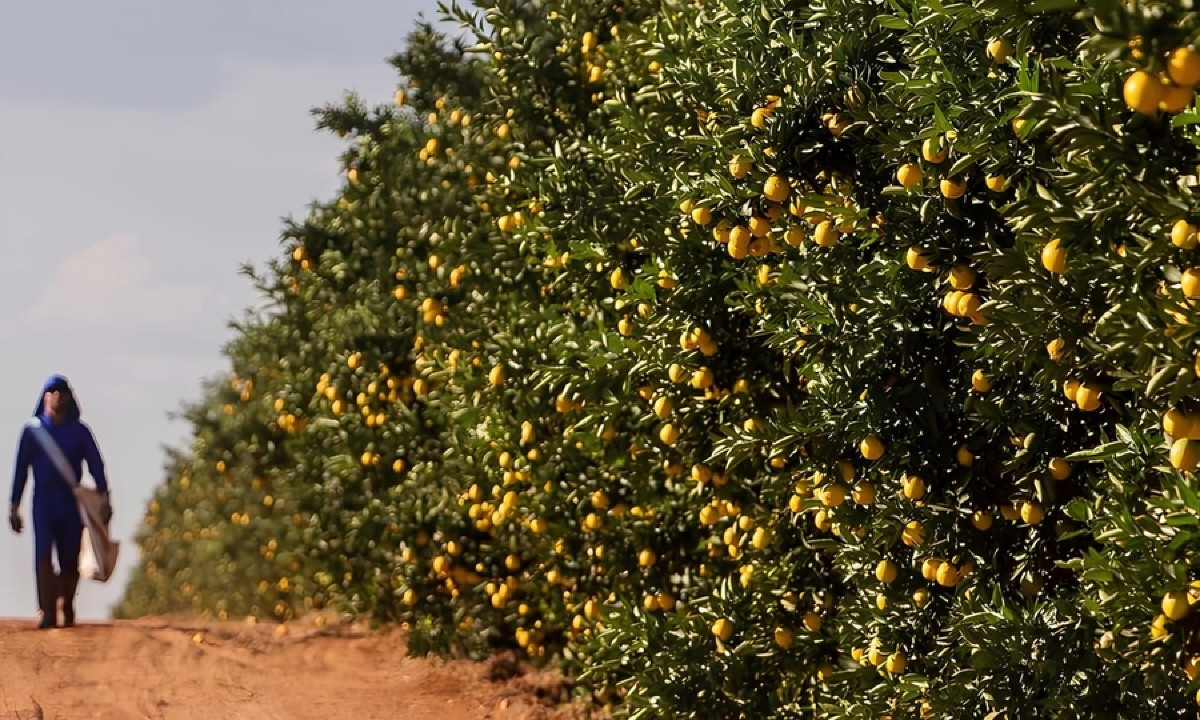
[67,584]
[48,592]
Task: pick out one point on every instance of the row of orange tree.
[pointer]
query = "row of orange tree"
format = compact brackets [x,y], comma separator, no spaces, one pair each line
[749,359]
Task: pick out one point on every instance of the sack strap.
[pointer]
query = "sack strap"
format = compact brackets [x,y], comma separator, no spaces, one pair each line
[46,440]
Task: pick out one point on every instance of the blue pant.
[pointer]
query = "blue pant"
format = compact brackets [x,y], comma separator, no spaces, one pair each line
[59,529]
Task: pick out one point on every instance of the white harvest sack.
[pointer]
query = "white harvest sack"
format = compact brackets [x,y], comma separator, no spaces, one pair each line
[89,566]
[98,552]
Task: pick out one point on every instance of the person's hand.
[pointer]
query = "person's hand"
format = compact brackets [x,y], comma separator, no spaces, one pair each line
[106,512]
[14,519]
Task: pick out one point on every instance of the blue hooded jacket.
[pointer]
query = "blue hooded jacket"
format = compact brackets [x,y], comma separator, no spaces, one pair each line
[52,492]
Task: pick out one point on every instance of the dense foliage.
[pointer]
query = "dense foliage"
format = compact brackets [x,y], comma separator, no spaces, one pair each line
[752,359]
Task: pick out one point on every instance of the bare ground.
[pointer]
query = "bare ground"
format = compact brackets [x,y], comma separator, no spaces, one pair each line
[173,669]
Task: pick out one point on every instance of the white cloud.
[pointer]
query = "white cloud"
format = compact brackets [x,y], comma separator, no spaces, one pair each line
[112,282]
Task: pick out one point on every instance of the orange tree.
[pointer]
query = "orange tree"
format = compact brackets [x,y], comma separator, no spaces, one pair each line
[769,359]
[398,414]
[222,534]
[913,229]
[666,365]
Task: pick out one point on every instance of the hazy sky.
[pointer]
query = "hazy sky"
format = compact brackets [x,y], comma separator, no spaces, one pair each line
[148,148]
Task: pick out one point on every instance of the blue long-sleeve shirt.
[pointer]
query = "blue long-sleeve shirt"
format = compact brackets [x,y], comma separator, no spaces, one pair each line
[50,490]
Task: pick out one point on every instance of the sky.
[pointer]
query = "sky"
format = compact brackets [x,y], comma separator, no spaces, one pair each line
[147,150]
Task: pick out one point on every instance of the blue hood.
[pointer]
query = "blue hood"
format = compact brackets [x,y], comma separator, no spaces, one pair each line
[57,382]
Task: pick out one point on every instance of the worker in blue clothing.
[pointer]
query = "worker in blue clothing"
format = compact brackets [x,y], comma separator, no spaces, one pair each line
[57,525]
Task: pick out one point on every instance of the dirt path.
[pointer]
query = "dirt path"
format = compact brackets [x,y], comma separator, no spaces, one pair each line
[162,669]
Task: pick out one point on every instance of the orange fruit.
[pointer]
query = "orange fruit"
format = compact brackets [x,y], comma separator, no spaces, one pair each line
[962,277]
[776,189]
[999,50]
[1175,605]
[863,493]
[1032,513]
[964,456]
[738,167]
[915,258]
[1190,282]
[913,487]
[1183,235]
[953,189]
[933,151]
[1060,469]
[759,226]
[825,235]
[886,572]
[1183,66]
[913,534]
[947,575]
[739,242]
[1185,454]
[871,447]
[1143,92]
[1054,258]
[909,175]
[1070,388]
[967,305]
[723,629]
[1087,397]
[1177,424]
[1175,97]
